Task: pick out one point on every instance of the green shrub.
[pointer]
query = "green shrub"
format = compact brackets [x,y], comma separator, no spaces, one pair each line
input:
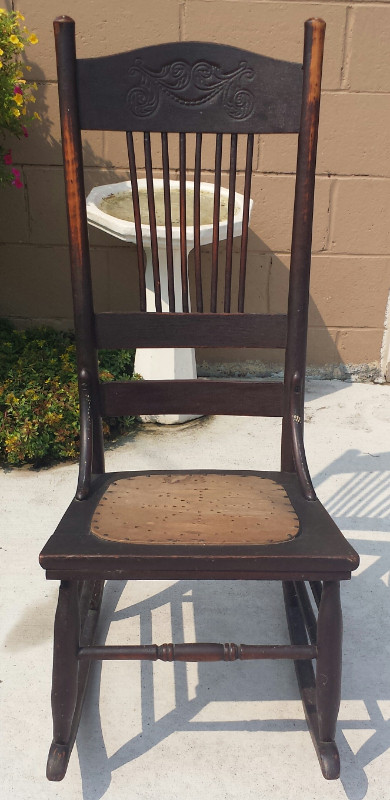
[39,405]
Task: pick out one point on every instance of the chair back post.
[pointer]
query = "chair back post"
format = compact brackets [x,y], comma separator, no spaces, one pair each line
[298,301]
[87,361]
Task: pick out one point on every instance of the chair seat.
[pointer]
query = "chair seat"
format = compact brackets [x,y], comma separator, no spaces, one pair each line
[197,524]
[193,509]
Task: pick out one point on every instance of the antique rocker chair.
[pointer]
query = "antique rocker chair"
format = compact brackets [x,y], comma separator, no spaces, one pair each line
[250,525]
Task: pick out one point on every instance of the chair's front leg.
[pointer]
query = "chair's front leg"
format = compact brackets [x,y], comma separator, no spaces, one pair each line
[65,675]
[328,673]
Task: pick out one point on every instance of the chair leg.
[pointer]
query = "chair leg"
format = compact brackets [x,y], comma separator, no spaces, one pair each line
[318,694]
[76,618]
[328,672]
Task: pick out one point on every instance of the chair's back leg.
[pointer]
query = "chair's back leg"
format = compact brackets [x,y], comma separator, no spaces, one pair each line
[298,300]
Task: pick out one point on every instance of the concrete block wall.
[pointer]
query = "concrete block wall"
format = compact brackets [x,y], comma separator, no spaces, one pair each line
[351,242]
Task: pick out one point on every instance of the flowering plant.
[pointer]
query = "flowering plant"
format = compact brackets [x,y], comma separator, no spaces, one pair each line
[15,93]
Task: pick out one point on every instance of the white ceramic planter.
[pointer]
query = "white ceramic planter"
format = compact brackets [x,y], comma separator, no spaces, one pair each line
[167,363]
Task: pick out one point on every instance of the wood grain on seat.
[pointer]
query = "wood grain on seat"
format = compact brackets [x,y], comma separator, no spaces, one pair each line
[192,509]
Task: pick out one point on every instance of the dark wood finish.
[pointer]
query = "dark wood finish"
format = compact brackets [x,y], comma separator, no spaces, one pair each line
[190,330]
[307,610]
[129,91]
[245,223]
[298,299]
[183,222]
[320,549]
[328,674]
[327,752]
[215,243]
[316,589]
[198,652]
[64,29]
[76,621]
[202,396]
[137,222]
[298,448]
[66,643]
[180,88]
[86,434]
[230,221]
[152,221]
[168,220]
[198,266]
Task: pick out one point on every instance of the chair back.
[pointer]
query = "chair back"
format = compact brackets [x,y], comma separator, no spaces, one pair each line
[183,91]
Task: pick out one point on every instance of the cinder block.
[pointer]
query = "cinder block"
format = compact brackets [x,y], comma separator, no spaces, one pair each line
[46,195]
[349,291]
[321,347]
[368,69]
[272,29]
[36,281]
[100,30]
[353,134]
[14,213]
[272,214]
[360,346]
[353,138]
[123,292]
[278,153]
[345,291]
[360,216]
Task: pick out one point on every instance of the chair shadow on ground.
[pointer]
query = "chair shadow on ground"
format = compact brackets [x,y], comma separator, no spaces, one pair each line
[222,612]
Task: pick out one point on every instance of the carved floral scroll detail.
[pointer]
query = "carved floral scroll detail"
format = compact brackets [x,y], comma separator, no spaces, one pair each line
[191,85]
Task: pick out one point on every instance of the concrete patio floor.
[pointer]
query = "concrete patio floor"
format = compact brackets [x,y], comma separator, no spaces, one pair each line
[217,730]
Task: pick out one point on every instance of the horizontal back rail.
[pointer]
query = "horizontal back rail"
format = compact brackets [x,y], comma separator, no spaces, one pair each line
[189,86]
[115,330]
[201,396]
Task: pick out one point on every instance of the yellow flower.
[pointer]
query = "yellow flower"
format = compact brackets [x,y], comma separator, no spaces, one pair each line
[1,65]
[35,85]
[21,80]
[33,39]
[14,39]
[28,68]
[31,98]
[2,11]
[1,52]
[19,15]
[18,99]
[36,116]
[16,112]
[24,110]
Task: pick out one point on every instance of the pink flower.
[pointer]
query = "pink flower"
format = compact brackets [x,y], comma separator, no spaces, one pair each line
[17,90]
[16,182]
[25,131]
[8,157]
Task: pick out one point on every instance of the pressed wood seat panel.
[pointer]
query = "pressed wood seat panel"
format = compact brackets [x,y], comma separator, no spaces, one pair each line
[194,524]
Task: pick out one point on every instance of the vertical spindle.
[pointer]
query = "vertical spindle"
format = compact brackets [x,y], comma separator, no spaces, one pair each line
[230,223]
[152,221]
[137,221]
[245,223]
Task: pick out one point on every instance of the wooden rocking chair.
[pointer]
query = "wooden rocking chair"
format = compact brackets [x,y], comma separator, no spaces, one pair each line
[219,525]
